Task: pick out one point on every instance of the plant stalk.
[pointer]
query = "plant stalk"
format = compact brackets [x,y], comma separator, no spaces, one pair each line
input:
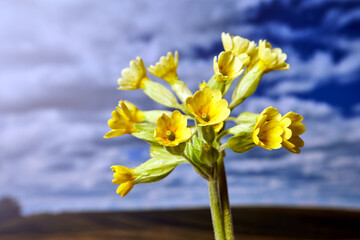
[216,212]
[224,198]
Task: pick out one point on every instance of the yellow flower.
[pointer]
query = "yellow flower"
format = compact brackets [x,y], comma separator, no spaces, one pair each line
[208,107]
[171,131]
[268,130]
[273,131]
[271,59]
[229,66]
[237,45]
[293,127]
[166,67]
[123,119]
[125,177]
[134,76]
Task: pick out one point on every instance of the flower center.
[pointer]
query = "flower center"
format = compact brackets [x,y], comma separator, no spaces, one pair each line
[222,70]
[170,135]
[205,117]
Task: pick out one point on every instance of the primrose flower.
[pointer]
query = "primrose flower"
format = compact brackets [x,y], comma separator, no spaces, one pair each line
[237,45]
[166,67]
[268,130]
[123,119]
[208,107]
[134,76]
[264,60]
[271,59]
[293,127]
[171,131]
[125,177]
[228,66]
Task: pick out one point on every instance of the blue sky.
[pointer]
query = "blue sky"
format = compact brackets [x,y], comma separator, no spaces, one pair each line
[59,64]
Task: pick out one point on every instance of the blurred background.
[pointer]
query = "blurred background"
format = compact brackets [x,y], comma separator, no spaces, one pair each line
[59,65]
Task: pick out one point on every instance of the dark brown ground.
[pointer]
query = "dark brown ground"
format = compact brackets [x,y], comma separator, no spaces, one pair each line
[251,223]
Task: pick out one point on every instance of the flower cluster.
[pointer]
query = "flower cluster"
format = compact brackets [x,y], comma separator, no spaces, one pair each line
[173,142]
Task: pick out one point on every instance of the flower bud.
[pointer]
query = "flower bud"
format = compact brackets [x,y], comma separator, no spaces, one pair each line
[208,155]
[202,156]
[207,133]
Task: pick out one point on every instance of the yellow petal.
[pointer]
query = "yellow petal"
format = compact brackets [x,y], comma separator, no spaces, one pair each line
[125,188]
[115,133]
[271,114]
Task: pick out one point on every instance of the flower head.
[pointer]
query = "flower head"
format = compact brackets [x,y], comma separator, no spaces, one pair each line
[271,59]
[133,77]
[208,107]
[125,177]
[268,130]
[173,130]
[166,67]
[123,119]
[237,45]
[228,66]
[293,127]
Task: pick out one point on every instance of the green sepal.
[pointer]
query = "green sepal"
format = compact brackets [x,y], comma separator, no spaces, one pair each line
[176,150]
[160,94]
[159,151]
[181,90]
[214,83]
[209,155]
[207,133]
[243,127]
[223,86]
[156,169]
[193,149]
[246,117]
[242,140]
[153,115]
[247,85]
[241,143]
[202,156]
[145,132]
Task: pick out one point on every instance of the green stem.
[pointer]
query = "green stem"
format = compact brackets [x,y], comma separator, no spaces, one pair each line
[224,198]
[221,135]
[216,212]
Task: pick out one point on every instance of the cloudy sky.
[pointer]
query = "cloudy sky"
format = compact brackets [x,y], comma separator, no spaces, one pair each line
[59,64]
